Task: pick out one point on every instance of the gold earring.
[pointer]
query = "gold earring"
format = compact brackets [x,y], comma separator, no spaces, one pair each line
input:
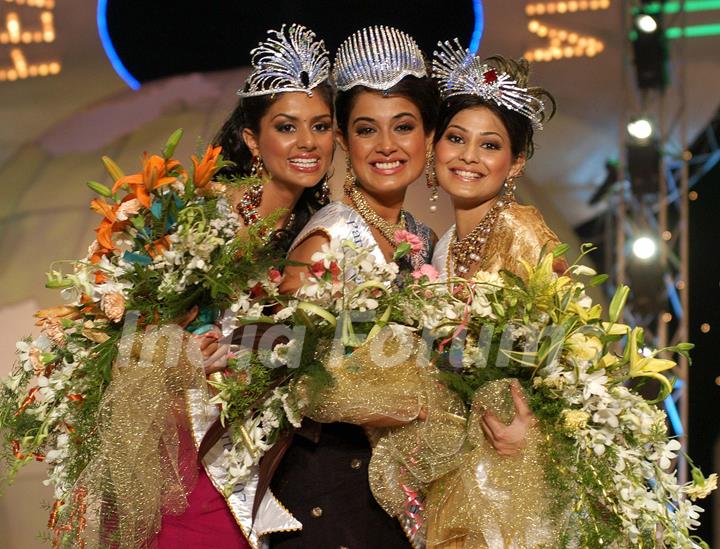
[349,183]
[322,195]
[431,180]
[258,167]
[509,188]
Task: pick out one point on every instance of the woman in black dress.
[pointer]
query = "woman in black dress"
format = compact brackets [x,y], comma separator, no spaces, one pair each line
[385,110]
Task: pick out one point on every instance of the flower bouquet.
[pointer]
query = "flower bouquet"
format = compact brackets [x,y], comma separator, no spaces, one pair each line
[597,468]
[167,253]
[294,370]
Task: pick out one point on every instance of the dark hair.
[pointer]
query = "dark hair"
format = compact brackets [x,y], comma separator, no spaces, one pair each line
[247,114]
[422,92]
[518,126]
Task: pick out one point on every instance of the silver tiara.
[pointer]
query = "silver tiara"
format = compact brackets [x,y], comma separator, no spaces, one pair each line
[460,72]
[287,62]
[377,57]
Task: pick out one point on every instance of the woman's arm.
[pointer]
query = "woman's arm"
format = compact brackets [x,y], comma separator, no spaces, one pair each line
[302,253]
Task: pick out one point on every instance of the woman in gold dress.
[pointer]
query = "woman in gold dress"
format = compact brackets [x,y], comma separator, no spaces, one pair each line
[483,140]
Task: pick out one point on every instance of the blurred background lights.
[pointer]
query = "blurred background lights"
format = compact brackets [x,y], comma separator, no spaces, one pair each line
[644,247]
[640,128]
[646,23]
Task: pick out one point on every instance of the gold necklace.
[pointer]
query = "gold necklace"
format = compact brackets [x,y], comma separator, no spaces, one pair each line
[470,250]
[387,230]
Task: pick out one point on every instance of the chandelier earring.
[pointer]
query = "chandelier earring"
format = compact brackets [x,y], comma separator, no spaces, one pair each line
[431,180]
[349,183]
[322,195]
[509,189]
[258,167]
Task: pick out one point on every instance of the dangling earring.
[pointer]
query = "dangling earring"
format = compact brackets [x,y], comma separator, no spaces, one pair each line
[509,189]
[431,180]
[258,167]
[349,183]
[322,195]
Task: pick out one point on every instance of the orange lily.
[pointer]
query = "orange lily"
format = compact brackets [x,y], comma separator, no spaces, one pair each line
[158,246]
[153,176]
[206,168]
[105,230]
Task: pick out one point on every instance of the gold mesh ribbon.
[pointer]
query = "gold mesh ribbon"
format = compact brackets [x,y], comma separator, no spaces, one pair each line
[146,463]
[446,484]
[491,501]
[390,377]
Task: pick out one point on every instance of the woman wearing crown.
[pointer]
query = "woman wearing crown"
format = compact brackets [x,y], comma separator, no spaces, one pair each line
[483,140]
[280,133]
[386,109]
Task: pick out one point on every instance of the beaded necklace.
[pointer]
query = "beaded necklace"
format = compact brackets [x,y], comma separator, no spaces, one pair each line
[249,203]
[470,250]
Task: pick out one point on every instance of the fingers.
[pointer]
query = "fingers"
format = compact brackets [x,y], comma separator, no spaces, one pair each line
[502,448]
[422,414]
[218,366]
[493,423]
[521,406]
[217,360]
[207,341]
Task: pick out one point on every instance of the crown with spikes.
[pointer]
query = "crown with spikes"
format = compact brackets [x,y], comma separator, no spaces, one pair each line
[377,57]
[460,72]
[287,62]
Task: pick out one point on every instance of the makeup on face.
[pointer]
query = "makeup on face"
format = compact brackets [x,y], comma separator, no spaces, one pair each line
[386,142]
[473,158]
[296,139]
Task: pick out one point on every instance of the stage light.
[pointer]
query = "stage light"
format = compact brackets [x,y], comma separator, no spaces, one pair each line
[649,44]
[644,247]
[646,23]
[640,128]
[705,327]
[693,195]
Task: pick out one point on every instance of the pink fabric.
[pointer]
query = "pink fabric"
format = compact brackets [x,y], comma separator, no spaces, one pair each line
[206,523]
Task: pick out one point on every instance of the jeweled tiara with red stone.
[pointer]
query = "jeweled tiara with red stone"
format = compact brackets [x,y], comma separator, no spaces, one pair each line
[460,72]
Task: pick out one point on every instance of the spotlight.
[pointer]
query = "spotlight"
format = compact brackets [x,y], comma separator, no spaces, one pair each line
[646,23]
[640,128]
[644,247]
[650,50]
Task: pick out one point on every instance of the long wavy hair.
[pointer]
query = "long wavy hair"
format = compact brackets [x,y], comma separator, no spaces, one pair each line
[247,114]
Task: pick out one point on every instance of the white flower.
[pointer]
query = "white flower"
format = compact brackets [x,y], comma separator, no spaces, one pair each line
[128,208]
[286,312]
[667,454]
[594,384]
[583,270]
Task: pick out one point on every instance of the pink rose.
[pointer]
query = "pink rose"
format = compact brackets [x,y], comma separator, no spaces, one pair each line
[426,270]
[275,276]
[413,240]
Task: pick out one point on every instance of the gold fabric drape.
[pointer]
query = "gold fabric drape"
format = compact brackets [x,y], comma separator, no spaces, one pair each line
[440,477]
[146,463]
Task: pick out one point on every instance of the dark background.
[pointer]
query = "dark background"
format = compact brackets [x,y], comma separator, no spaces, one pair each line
[160,38]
